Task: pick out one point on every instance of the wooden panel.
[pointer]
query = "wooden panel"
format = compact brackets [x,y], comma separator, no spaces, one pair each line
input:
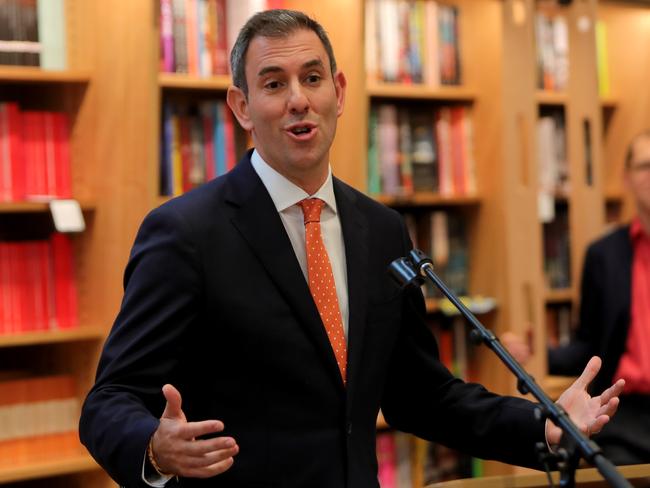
[348,154]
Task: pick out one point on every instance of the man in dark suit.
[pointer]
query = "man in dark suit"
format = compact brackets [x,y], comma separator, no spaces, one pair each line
[221,306]
[615,317]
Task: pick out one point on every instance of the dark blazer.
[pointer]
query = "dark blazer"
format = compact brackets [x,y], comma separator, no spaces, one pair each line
[216,304]
[604,310]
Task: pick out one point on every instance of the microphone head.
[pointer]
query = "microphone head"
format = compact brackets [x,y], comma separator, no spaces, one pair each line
[401,270]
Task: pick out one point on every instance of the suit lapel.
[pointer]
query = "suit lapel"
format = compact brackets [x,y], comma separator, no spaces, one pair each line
[355,230]
[255,217]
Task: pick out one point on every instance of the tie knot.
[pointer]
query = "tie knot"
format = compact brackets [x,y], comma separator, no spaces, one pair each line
[311,208]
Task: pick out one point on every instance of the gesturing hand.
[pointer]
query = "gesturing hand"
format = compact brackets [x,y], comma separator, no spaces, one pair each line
[590,414]
[176,448]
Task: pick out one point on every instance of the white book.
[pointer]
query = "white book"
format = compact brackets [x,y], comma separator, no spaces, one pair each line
[52,34]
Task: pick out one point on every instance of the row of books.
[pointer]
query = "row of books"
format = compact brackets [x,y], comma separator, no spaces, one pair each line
[420,150]
[31,407]
[557,250]
[37,285]
[443,236]
[552,44]
[199,143]
[196,35]
[34,154]
[412,42]
[32,33]
[405,461]
[552,161]
[559,324]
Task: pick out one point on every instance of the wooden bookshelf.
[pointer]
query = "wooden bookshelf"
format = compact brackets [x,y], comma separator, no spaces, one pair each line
[420,92]
[38,207]
[427,199]
[28,74]
[44,457]
[80,334]
[186,82]
[564,295]
[551,98]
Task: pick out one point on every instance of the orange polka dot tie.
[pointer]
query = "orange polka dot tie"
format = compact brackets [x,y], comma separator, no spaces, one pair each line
[321,281]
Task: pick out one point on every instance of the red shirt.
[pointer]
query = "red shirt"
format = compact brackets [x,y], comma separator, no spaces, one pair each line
[634,366]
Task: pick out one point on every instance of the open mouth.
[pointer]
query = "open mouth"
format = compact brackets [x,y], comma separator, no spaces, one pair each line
[301,130]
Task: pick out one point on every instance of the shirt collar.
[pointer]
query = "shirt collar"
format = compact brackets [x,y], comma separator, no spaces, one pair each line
[285,193]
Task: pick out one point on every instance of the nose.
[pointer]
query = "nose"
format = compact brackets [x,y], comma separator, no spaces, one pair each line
[298,103]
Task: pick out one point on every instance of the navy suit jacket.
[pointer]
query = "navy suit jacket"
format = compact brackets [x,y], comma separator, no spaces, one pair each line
[215,303]
[605,301]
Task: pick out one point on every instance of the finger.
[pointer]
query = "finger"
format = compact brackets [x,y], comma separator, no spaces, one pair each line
[209,471]
[612,392]
[201,447]
[173,407]
[206,460]
[192,430]
[589,373]
[609,408]
[598,424]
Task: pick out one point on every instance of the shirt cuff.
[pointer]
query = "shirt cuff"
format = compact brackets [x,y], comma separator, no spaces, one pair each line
[151,477]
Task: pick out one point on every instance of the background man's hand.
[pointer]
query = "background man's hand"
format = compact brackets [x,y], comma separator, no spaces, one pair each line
[177,450]
[589,413]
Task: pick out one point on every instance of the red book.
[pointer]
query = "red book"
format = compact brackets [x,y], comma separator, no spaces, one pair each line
[65,290]
[34,154]
[63,179]
[49,154]
[12,169]
[221,64]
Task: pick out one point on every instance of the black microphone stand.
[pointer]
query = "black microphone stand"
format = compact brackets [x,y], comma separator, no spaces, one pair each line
[412,270]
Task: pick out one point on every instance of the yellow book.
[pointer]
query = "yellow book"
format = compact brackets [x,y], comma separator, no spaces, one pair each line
[602,60]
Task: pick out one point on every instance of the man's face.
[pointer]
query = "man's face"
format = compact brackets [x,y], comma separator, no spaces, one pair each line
[292,106]
[638,174]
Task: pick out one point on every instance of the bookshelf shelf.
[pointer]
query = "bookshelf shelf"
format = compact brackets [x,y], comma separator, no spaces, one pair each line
[420,92]
[26,74]
[545,97]
[564,295]
[186,82]
[51,337]
[608,102]
[42,457]
[555,385]
[38,207]
[427,199]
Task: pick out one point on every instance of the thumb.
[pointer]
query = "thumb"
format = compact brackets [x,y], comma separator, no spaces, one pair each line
[589,373]
[173,407]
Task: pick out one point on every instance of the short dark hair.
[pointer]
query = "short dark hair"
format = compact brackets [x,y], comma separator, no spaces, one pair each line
[276,23]
[629,155]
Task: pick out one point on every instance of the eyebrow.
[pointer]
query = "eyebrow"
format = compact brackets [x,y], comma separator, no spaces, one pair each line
[276,69]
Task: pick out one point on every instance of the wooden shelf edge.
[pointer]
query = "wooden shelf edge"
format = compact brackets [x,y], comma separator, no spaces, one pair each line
[38,207]
[420,92]
[563,295]
[554,386]
[32,74]
[52,467]
[190,82]
[545,97]
[432,199]
[84,333]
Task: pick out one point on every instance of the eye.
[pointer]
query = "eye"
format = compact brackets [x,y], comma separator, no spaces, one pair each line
[272,85]
[313,79]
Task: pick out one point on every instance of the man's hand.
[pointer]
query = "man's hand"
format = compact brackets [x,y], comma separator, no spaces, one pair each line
[176,449]
[589,413]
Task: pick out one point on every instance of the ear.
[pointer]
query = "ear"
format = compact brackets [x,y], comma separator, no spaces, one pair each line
[340,83]
[238,103]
